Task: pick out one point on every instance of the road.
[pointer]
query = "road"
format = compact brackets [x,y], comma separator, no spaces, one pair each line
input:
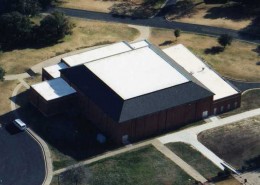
[157,21]
[243,86]
[21,158]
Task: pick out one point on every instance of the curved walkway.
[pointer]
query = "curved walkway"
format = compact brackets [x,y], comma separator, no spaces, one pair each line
[190,135]
[157,21]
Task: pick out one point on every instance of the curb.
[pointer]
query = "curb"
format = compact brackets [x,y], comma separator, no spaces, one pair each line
[210,35]
[46,156]
[248,90]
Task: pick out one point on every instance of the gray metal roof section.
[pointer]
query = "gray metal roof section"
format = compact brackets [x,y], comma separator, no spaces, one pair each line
[123,110]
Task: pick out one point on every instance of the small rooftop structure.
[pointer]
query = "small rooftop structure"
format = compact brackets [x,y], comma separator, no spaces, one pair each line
[53,89]
[54,70]
[95,54]
[139,44]
[135,73]
[199,70]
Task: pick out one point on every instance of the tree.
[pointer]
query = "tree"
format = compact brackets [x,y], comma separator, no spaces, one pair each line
[177,33]
[53,28]
[15,30]
[184,7]
[25,7]
[45,3]
[225,40]
[258,49]
[2,74]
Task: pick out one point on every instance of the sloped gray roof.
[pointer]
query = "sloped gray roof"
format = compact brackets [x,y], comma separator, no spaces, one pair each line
[123,110]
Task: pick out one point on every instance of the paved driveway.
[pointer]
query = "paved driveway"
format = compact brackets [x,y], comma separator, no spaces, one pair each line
[21,159]
[157,21]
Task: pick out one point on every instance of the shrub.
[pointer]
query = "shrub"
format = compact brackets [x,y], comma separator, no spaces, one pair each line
[225,40]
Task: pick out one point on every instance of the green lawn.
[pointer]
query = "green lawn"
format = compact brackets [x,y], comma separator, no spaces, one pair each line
[142,166]
[195,159]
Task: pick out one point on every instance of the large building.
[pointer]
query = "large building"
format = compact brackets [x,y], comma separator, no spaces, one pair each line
[131,91]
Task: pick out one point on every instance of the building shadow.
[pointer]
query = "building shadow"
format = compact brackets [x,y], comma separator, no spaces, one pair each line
[70,134]
[67,133]
[20,99]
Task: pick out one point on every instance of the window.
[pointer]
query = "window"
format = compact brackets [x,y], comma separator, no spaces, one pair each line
[228,106]
[221,108]
[205,114]
[235,105]
[125,139]
[215,111]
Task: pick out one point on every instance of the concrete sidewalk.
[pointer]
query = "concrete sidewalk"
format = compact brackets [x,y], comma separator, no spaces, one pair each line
[177,160]
[189,135]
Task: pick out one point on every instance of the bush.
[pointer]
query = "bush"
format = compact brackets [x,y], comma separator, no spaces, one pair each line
[184,7]
[177,33]
[53,28]
[25,7]
[225,40]
[2,73]
[215,1]
[15,30]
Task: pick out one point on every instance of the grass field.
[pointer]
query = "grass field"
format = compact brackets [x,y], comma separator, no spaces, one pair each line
[236,143]
[85,34]
[6,90]
[238,61]
[142,166]
[229,181]
[216,15]
[136,8]
[194,158]
[250,100]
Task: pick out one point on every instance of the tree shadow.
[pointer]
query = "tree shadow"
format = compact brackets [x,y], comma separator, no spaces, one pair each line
[232,11]
[214,50]
[128,9]
[165,43]
[252,30]
[253,163]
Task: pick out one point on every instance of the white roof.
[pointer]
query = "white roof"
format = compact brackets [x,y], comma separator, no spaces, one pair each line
[139,44]
[54,70]
[53,89]
[98,53]
[200,71]
[135,73]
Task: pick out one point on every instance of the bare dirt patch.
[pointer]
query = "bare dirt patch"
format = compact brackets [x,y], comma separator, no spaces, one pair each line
[85,34]
[238,61]
[237,143]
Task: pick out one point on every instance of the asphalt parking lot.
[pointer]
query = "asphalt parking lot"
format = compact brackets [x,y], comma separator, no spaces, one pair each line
[21,158]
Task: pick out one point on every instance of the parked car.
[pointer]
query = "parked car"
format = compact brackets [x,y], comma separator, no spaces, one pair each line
[19,124]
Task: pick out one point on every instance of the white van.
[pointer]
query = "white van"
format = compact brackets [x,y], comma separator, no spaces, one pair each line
[20,124]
